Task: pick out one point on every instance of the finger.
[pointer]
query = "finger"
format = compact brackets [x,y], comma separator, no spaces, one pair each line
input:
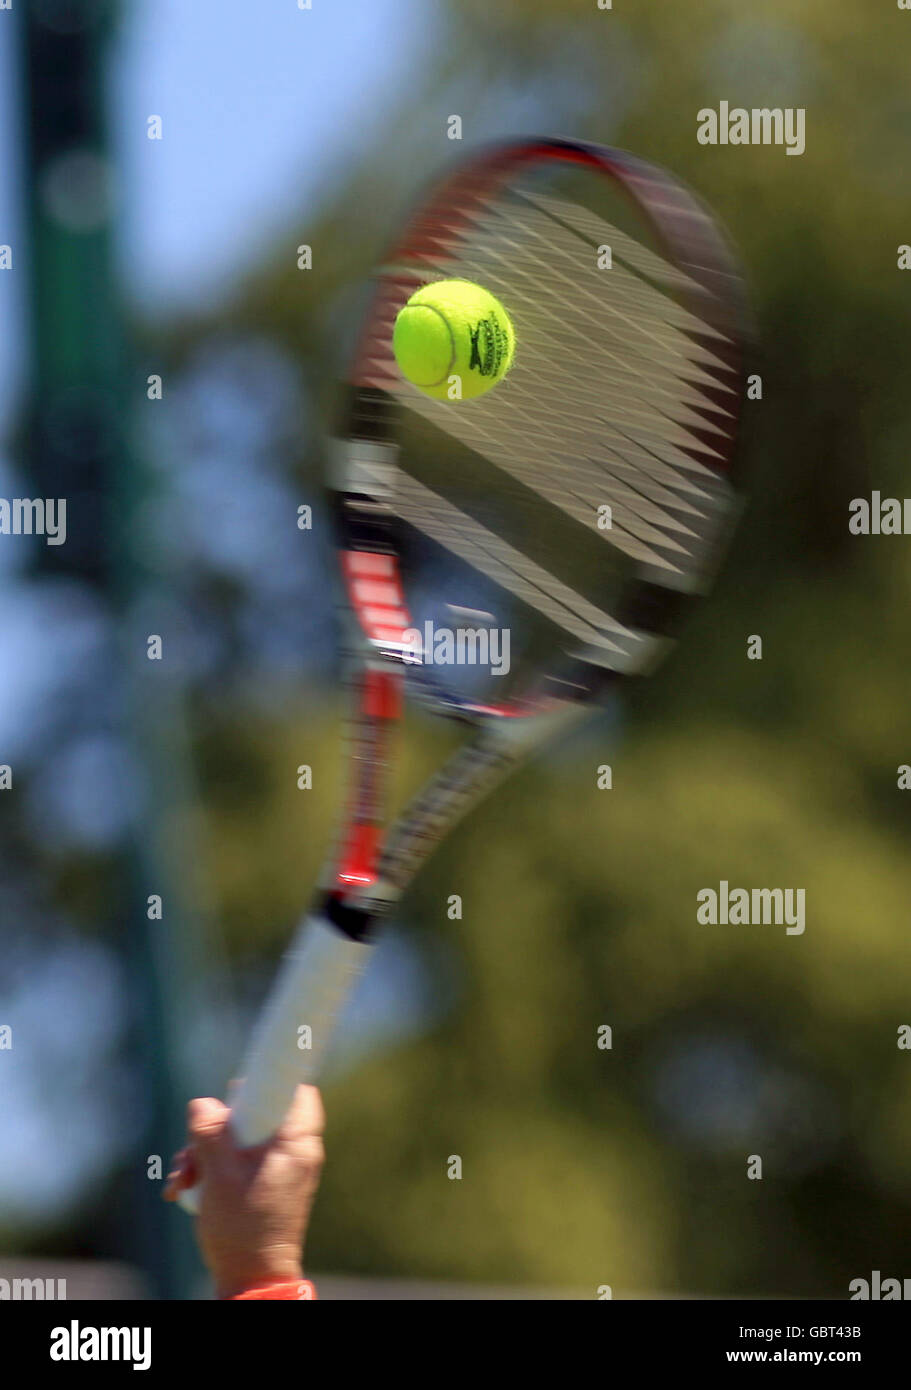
[178,1162]
[182,1175]
[207,1120]
[305,1114]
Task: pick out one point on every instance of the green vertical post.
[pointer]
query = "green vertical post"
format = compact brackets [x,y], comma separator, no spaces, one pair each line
[76,444]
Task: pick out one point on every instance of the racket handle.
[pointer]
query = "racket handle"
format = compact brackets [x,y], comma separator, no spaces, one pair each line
[318,971]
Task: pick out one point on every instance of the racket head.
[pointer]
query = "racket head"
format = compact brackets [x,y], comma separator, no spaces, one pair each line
[580,507]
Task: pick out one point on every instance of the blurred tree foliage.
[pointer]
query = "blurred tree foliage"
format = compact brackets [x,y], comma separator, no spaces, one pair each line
[628,1166]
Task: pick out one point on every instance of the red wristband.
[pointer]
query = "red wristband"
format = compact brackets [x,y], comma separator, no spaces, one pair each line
[297,1289]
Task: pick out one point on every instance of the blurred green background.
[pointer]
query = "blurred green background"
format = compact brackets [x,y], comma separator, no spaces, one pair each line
[582,1167]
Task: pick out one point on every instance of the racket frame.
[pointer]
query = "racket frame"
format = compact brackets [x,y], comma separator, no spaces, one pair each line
[367,874]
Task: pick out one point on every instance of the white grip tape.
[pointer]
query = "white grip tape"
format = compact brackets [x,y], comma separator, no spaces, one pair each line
[318,971]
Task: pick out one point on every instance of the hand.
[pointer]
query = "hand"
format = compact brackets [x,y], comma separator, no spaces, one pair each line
[254,1203]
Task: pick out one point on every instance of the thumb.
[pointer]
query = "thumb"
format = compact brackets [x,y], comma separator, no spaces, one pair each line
[207,1120]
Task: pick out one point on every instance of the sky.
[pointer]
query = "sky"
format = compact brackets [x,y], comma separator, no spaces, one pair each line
[238,159]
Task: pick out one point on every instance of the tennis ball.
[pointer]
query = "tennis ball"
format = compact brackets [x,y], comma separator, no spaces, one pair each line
[453,328]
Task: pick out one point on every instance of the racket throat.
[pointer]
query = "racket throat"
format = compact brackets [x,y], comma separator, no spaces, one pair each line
[353,921]
[345,904]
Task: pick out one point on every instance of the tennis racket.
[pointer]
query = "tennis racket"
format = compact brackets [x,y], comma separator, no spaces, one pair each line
[580,507]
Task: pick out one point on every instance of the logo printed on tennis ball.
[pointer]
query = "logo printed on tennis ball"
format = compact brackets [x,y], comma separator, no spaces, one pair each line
[453,328]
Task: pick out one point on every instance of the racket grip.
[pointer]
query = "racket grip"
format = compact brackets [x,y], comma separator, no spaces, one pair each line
[317,973]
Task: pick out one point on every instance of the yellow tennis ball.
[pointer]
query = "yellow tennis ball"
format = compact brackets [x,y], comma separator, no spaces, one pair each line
[453,328]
